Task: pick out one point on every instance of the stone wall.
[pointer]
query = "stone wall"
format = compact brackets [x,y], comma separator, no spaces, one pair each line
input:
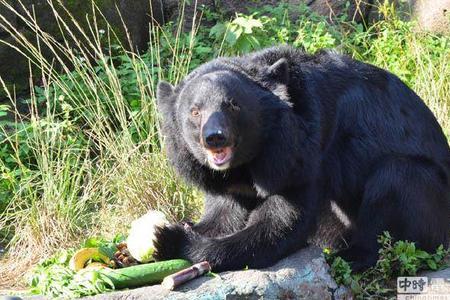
[432,15]
[137,15]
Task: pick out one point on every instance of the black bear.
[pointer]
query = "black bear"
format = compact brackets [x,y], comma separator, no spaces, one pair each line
[275,136]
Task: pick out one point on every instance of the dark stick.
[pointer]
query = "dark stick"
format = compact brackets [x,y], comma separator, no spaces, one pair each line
[172,281]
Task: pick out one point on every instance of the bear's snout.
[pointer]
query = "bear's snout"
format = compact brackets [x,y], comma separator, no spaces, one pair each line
[215,139]
[215,133]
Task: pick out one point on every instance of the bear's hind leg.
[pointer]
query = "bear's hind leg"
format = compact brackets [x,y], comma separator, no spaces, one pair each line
[410,198]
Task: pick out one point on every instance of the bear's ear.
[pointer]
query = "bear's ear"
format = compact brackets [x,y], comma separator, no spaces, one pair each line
[164,90]
[164,96]
[276,78]
[278,72]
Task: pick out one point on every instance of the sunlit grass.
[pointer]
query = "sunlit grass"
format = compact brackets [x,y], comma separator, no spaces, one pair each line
[96,163]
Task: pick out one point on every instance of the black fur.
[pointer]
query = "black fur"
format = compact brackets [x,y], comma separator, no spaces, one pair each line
[308,129]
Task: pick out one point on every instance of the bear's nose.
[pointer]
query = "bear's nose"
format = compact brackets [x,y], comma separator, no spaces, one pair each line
[215,139]
[215,131]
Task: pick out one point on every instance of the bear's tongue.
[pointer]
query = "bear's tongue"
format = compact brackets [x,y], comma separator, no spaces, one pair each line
[220,155]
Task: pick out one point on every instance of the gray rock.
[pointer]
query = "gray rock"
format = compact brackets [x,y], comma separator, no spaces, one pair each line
[432,15]
[445,274]
[303,275]
[137,15]
[438,283]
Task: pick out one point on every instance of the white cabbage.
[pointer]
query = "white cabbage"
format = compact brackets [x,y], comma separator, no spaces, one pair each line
[142,234]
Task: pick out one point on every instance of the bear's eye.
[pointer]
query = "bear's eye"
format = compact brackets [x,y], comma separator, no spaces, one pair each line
[233,105]
[195,112]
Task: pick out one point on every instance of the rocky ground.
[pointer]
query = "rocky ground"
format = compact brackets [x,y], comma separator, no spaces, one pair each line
[303,275]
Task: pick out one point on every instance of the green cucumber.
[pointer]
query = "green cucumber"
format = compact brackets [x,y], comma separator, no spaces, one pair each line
[144,274]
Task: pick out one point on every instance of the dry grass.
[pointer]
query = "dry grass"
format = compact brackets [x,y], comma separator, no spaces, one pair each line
[72,189]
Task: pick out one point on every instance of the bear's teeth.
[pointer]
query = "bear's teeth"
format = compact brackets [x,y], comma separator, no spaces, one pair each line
[219,158]
[219,155]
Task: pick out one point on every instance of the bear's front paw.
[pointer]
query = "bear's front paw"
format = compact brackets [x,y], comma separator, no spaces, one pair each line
[359,259]
[171,242]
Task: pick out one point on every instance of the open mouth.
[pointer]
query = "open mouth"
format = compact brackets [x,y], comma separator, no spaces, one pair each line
[220,157]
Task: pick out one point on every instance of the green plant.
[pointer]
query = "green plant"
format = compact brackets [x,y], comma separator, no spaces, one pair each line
[88,158]
[400,258]
[418,58]
[54,278]
[240,34]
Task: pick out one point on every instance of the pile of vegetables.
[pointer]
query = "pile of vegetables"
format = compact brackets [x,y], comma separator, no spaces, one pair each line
[101,266]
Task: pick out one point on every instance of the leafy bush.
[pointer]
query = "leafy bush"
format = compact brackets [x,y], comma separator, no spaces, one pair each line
[400,258]
[54,278]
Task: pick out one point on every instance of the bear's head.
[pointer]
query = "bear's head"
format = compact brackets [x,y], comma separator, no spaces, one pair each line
[223,116]
[218,115]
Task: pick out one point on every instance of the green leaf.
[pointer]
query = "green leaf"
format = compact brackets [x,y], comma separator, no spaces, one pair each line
[93,242]
[432,264]
[109,249]
[218,30]
[247,23]
[231,38]
[422,254]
